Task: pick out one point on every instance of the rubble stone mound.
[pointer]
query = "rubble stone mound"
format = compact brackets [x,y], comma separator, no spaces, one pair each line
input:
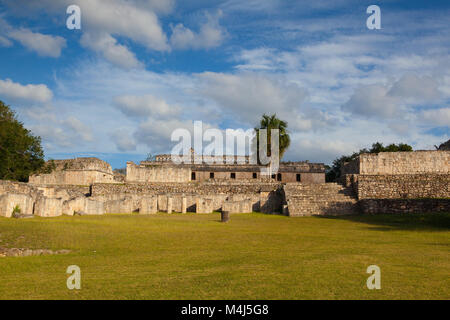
[23,252]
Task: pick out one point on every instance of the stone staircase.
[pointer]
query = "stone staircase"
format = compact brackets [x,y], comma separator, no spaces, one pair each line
[319,199]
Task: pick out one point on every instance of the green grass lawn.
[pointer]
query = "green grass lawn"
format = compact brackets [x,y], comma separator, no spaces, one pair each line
[253,256]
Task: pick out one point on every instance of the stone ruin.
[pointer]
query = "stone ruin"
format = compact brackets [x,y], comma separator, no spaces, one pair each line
[373,183]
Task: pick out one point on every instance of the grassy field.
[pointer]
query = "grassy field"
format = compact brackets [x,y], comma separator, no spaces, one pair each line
[254,256]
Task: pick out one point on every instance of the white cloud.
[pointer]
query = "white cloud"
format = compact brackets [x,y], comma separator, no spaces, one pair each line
[386,101]
[252,94]
[58,133]
[78,128]
[145,106]
[210,35]
[115,53]
[44,45]
[124,18]
[159,6]
[123,141]
[102,22]
[371,101]
[156,134]
[439,117]
[30,92]
[411,86]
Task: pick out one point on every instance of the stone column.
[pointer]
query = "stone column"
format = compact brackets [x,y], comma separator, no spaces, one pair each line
[183,205]
[169,204]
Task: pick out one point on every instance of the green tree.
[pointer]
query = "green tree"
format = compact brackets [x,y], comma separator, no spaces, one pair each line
[20,152]
[334,172]
[444,146]
[270,122]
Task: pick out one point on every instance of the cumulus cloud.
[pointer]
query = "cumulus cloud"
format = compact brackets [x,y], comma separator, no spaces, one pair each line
[210,34]
[439,117]
[411,86]
[159,6]
[107,46]
[30,92]
[59,133]
[103,22]
[156,134]
[371,101]
[386,101]
[124,142]
[124,18]
[145,106]
[250,94]
[44,45]
[78,128]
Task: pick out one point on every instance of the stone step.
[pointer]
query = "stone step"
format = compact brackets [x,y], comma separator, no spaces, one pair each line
[320,199]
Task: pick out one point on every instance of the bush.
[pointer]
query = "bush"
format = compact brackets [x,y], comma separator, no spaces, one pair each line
[16,211]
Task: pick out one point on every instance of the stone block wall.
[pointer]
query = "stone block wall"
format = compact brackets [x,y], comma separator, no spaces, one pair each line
[149,205]
[389,163]
[238,206]
[399,206]
[319,199]
[48,207]
[197,188]
[72,177]
[157,173]
[406,186]
[126,205]
[9,201]
[83,205]
[204,205]
[79,171]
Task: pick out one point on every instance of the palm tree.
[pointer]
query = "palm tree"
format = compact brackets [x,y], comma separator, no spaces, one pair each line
[269,123]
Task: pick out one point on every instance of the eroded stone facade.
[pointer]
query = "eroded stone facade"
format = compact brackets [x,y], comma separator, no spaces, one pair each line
[419,179]
[387,182]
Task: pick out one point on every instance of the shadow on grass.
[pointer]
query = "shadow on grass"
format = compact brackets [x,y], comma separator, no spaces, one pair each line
[389,222]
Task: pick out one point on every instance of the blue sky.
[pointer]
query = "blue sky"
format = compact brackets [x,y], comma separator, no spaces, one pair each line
[139,69]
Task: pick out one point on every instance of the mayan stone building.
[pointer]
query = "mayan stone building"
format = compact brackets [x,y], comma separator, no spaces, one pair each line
[390,182]
[79,171]
[221,168]
[374,183]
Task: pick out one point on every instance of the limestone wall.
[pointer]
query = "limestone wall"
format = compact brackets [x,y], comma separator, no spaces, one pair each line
[48,207]
[83,205]
[63,191]
[79,171]
[200,188]
[157,173]
[7,186]
[406,186]
[395,206]
[168,172]
[8,202]
[93,164]
[400,163]
[72,177]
